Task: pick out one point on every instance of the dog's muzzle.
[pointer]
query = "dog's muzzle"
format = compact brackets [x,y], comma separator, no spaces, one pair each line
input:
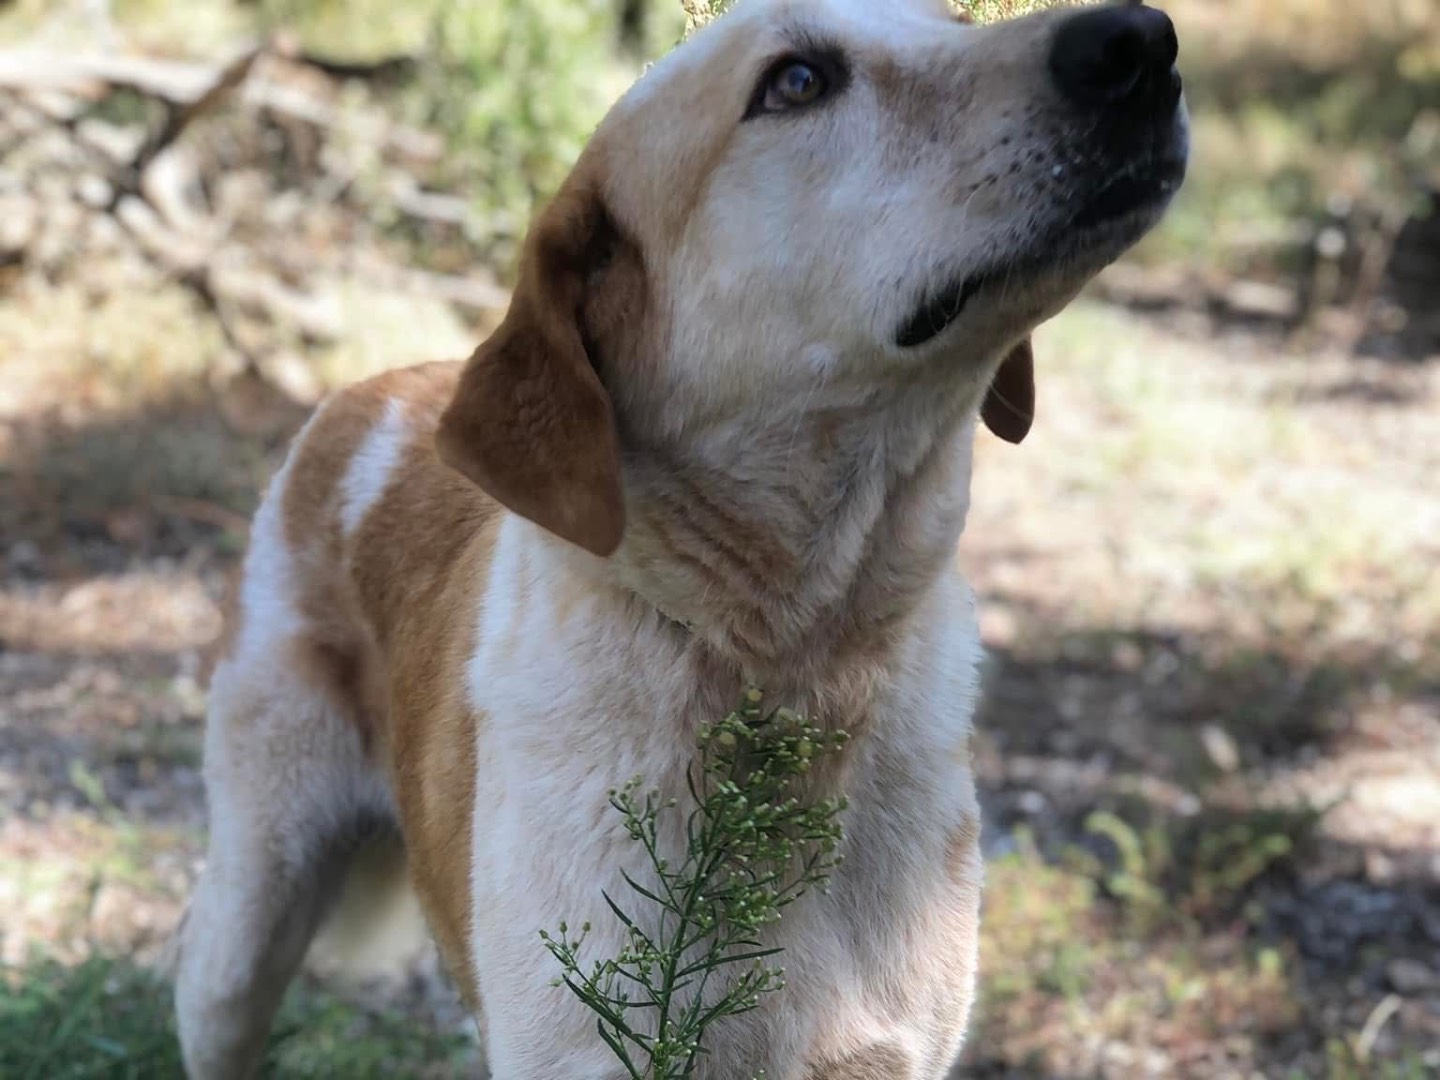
[1122,142]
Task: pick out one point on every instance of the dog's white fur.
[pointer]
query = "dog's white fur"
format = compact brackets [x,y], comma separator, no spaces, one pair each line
[373,467]
[406,651]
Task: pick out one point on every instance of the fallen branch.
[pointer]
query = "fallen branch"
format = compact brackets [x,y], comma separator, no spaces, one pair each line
[184,85]
[316,315]
[1376,252]
[462,292]
[387,71]
[434,208]
[189,264]
[92,75]
[180,116]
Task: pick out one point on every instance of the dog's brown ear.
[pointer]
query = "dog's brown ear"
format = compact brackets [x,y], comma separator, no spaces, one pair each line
[1009,406]
[531,423]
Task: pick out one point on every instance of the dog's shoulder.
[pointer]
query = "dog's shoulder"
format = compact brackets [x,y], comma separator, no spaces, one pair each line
[362,515]
[344,459]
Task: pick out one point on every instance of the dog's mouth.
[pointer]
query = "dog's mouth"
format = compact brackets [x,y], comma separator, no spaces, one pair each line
[1110,218]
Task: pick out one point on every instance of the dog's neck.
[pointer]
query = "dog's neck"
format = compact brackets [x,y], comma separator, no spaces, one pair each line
[797,547]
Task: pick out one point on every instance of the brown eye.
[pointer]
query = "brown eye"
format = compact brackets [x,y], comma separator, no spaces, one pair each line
[798,80]
[795,83]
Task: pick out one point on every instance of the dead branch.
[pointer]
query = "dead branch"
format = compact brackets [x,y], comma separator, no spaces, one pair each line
[467,293]
[180,116]
[169,202]
[1375,254]
[92,75]
[386,71]
[316,315]
[183,85]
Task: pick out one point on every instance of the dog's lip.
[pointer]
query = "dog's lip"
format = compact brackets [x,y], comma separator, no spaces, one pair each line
[1130,190]
[1136,193]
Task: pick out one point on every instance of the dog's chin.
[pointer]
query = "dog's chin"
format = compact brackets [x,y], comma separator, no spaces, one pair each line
[1059,257]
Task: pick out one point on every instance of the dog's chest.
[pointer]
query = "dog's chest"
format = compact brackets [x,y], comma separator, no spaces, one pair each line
[577,701]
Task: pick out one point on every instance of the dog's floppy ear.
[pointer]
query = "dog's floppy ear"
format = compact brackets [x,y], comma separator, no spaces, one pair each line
[530,422]
[1009,406]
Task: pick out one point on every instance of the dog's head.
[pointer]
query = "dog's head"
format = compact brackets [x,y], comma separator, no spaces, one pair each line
[813,200]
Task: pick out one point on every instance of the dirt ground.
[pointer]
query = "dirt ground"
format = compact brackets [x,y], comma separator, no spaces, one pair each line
[1209,753]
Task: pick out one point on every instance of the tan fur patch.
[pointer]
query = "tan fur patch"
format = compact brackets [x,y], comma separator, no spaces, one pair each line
[962,849]
[390,621]
[231,621]
[881,1062]
[337,652]
[419,567]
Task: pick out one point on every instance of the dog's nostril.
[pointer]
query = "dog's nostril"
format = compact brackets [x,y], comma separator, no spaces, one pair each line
[1120,62]
[1107,54]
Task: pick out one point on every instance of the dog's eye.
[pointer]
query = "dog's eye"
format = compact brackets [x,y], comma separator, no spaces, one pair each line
[797,82]
[794,83]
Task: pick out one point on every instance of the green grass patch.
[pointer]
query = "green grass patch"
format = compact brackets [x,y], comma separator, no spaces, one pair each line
[1084,951]
[107,1018]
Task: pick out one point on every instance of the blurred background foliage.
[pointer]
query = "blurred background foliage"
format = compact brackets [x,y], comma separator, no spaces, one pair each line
[1210,751]
[1305,110]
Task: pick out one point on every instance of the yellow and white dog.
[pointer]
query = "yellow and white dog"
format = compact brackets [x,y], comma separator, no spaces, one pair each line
[722,438]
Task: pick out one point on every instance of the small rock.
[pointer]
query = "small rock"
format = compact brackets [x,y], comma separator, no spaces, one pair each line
[24,555]
[1380,868]
[1032,803]
[1128,656]
[1411,977]
[1220,747]
[94,191]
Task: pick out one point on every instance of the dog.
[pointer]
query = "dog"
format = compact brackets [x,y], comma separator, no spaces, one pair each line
[722,439]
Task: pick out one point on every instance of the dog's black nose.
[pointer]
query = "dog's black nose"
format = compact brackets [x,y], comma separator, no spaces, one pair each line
[1108,55]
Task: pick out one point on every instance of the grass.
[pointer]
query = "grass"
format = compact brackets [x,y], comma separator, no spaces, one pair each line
[1117,942]
[108,1018]
[1152,943]
[1101,953]
[1194,541]
[1134,413]
[986,11]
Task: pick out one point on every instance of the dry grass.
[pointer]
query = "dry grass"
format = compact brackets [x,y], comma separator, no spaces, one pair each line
[1206,580]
